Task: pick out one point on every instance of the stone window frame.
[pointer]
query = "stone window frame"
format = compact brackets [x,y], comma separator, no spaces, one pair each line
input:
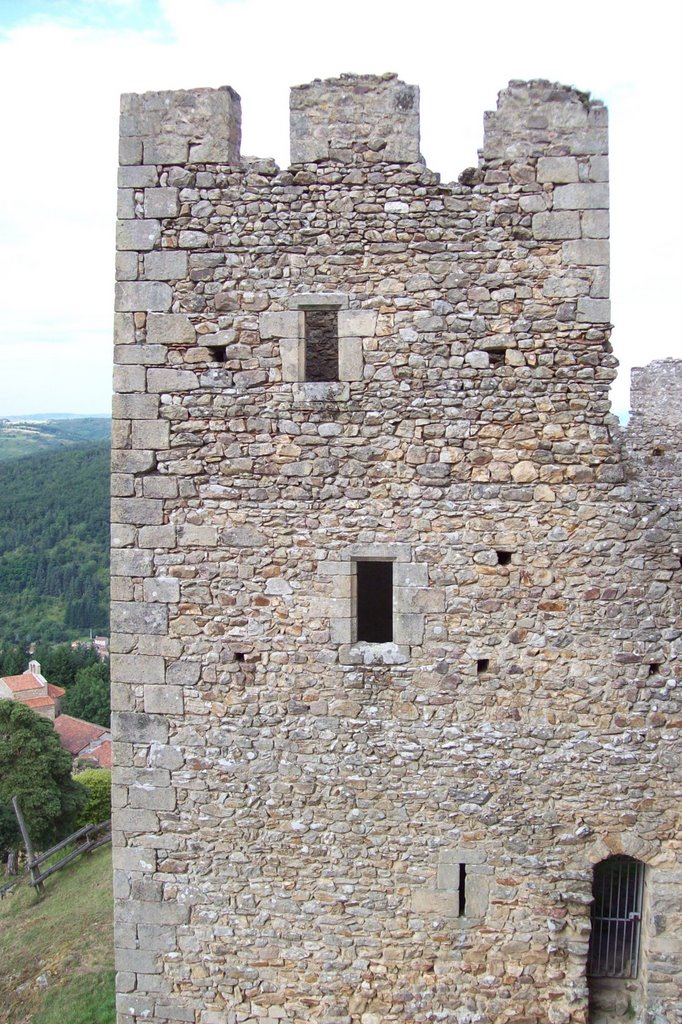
[288,327]
[442,898]
[413,597]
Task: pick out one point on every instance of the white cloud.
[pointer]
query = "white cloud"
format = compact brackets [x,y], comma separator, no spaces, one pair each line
[57,176]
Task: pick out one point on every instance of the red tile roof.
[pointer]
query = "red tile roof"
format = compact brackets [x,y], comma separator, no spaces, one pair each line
[101,754]
[26,681]
[76,734]
[55,691]
[38,702]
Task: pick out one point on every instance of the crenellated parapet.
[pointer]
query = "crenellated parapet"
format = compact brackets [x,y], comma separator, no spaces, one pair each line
[198,125]
[366,118]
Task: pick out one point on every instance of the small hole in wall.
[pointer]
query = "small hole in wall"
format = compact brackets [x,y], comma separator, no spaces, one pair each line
[658,451]
[503,557]
[462,890]
[218,353]
[496,356]
[239,656]
[654,668]
[482,665]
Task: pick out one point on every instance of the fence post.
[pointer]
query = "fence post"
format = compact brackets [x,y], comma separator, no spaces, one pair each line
[40,888]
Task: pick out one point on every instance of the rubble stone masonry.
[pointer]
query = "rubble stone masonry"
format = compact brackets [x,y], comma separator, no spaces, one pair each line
[319,829]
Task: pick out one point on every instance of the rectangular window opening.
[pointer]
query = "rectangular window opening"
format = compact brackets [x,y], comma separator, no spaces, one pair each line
[482,665]
[321,345]
[462,890]
[374,601]
[497,356]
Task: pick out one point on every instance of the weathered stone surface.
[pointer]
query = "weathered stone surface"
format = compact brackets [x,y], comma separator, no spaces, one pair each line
[581,197]
[170,328]
[165,266]
[139,618]
[138,234]
[558,169]
[143,296]
[133,727]
[556,225]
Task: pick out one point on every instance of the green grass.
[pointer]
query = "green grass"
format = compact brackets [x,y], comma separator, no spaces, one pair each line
[85,999]
[57,953]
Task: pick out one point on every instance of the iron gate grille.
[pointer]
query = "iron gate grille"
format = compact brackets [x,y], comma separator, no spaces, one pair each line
[616,918]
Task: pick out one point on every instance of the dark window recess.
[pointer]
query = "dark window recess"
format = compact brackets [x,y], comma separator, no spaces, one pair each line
[618,889]
[218,353]
[375,601]
[462,890]
[321,345]
[654,668]
[482,665]
[239,656]
[658,452]
[503,557]
[496,356]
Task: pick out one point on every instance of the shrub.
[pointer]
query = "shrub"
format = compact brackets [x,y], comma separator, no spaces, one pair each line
[97,782]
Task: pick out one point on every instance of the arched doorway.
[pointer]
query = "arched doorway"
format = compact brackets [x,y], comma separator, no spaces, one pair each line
[615,939]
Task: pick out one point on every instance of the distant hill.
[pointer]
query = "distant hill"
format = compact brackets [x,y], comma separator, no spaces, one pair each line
[20,436]
[54,544]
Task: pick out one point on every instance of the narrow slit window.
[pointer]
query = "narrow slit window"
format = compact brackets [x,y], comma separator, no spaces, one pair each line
[462,890]
[321,345]
[374,602]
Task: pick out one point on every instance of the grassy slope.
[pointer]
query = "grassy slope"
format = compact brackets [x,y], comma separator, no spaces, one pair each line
[67,938]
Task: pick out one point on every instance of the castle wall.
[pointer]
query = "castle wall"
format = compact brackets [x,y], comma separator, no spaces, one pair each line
[653,437]
[315,828]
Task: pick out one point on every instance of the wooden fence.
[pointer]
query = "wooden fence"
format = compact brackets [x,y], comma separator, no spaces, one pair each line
[87,838]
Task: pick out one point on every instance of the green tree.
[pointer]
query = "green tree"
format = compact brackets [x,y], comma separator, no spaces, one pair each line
[35,767]
[89,696]
[13,661]
[97,782]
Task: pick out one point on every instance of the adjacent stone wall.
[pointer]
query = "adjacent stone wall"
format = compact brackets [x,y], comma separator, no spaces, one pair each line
[296,815]
[654,432]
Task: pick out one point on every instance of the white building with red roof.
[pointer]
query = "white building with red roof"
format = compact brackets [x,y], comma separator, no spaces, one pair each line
[32,689]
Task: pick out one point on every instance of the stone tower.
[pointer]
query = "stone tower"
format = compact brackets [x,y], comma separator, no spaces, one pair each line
[396,617]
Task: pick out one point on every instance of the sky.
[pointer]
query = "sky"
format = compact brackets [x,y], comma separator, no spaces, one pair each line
[64,63]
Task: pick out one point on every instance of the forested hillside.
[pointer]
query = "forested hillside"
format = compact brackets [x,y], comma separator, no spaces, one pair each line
[30,436]
[54,544]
